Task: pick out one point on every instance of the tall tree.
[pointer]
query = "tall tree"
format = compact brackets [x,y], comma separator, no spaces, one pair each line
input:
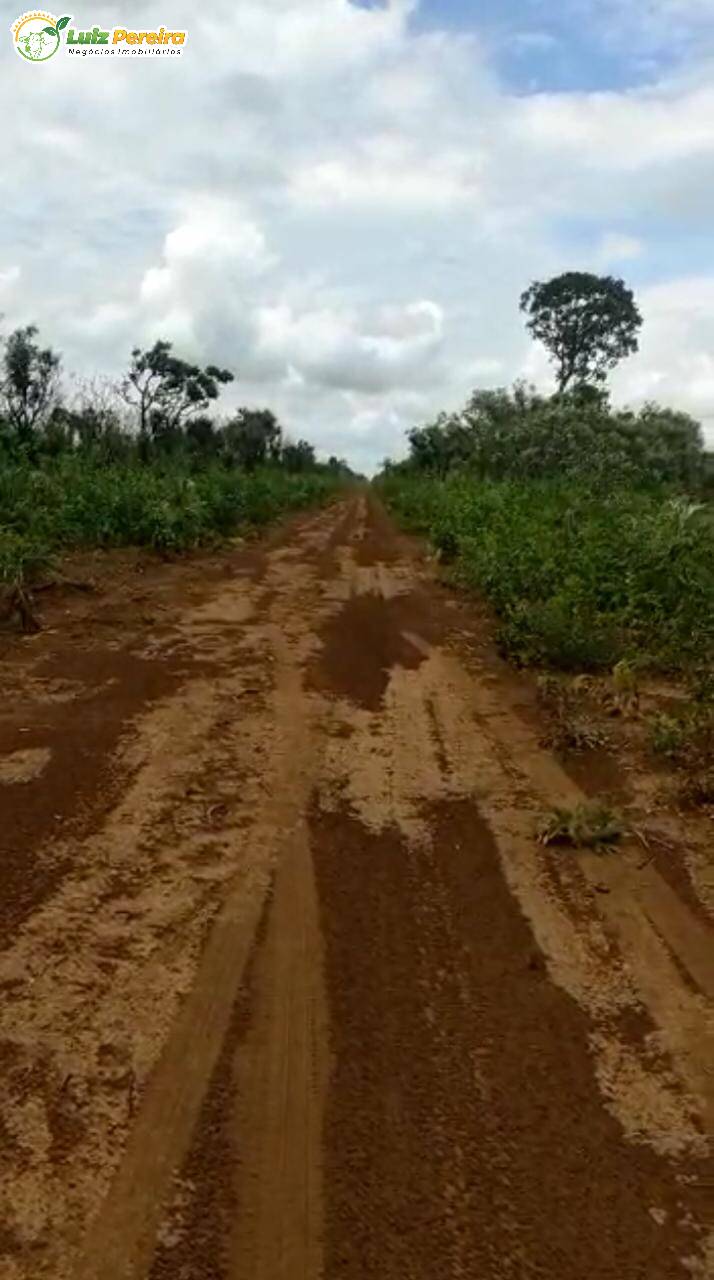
[588,324]
[166,391]
[29,383]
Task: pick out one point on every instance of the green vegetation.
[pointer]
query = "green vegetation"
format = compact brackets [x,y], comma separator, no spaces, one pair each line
[521,435]
[685,738]
[71,502]
[579,579]
[138,464]
[588,528]
[570,727]
[591,825]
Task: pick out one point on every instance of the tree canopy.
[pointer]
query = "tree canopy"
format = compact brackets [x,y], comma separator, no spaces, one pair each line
[29,383]
[588,323]
[156,413]
[167,390]
[521,434]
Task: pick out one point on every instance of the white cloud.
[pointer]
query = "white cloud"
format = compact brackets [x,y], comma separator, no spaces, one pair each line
[616,246]
[390,173]
[348,351]
[282,39]
[621,132]
[213,250]
[9,279]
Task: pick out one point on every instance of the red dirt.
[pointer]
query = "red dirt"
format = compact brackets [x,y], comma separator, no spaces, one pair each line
[291,989]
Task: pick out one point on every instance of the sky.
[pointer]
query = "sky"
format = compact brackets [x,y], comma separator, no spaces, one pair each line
[342,200]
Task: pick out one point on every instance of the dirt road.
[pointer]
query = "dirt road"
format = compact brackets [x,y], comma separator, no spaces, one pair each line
[289,989]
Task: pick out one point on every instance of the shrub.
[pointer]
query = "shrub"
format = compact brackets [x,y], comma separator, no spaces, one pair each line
[579,578]
[521,434]
[667,735]
[686,740]
[72,501]
[21,559]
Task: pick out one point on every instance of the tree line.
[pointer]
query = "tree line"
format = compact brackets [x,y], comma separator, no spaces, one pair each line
[158,411]
[588,324]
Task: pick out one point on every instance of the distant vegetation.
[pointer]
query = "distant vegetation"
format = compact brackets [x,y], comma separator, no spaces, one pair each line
[590,529]
[521,435]
[141,462]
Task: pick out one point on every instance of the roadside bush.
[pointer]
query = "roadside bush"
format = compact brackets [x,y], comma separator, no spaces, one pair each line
[21,558]
[71,501]
[580,579]
[686,740]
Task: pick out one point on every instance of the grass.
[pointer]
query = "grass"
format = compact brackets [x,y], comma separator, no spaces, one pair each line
[570,727]
[580,580]
[667,735]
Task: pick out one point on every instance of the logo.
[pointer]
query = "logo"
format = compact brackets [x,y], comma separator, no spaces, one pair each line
[37,36]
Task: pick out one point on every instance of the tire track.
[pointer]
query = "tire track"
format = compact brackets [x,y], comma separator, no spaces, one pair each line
[281,1073]
[121,1241]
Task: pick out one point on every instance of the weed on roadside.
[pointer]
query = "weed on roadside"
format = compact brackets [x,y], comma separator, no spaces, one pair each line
[625,688]
[570,726]
[22,560]
[686,741]
[590,825]
[581,579]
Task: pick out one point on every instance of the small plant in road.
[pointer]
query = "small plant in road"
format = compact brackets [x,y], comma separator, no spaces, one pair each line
[590,825]
[570,727]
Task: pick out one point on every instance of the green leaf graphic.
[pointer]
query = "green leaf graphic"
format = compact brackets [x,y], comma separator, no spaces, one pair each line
[49,31]
[63,23]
